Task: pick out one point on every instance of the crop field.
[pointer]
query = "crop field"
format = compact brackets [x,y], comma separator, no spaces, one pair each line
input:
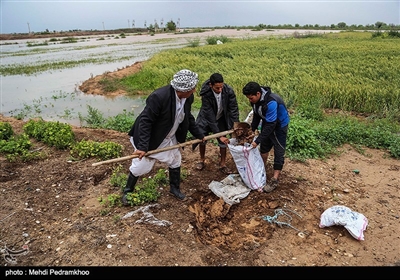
[350,71]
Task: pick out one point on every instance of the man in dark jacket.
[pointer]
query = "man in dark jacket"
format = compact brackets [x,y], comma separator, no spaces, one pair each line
[164,121]
[218,112]
[270,109]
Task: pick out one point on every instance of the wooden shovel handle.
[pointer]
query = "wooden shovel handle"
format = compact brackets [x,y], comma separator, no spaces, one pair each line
[191,142]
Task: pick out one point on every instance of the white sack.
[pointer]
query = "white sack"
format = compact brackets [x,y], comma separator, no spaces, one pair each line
[231,189]
[249,164]
[341,215]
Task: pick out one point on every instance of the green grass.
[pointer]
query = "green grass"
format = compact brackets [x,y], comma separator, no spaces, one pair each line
[350,71]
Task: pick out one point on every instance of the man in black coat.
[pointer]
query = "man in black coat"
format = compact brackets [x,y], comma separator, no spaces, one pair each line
[164,121]
[218,112]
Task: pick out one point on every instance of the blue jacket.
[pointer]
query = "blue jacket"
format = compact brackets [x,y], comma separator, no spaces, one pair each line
[271,109]
[157,118]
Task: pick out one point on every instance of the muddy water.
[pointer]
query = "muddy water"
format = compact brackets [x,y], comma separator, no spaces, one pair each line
[54,95]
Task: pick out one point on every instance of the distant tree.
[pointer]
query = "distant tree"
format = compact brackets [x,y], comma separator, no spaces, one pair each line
[379,24]
[341,25]
[151,28]
[156,26]
[297,25]
[171,26]
[353,26]
[333,26]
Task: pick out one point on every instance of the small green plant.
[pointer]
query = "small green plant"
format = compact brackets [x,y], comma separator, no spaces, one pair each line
[17,147]
[68,40]
[109,84]
[118,177]
[184,173]
[112,200]
[102,150]
[302,142]
[59,135]
[6,131]
[161,177]
[147,190]
[121,122]
[34,44]
[95,118]
[104,212]
[193,42]
[213,40]
[117,218]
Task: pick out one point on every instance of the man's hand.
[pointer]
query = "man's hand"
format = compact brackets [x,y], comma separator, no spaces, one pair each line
[139,153]
[254,144]
[224,140]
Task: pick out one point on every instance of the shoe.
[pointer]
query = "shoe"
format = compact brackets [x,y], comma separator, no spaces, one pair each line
[125,201]
[225,170]
[273,184]
[200,165]
[177,193]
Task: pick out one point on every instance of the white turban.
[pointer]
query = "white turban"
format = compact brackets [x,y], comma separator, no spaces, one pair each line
[185,80]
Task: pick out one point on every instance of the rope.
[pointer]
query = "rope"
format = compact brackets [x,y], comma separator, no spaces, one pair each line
[280,212]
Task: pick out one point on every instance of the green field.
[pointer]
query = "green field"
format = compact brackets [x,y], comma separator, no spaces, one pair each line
[350,71]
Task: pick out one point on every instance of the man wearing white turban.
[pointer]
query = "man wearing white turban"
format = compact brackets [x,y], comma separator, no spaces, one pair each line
[164,121]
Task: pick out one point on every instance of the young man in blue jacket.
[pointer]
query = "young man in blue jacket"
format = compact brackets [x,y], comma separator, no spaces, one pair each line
[218,112]
[270,109]
[164,121]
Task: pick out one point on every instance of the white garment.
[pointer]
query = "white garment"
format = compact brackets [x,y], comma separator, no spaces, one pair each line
[172,157]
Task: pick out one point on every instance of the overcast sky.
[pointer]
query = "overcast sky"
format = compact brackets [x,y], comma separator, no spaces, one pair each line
[22,16]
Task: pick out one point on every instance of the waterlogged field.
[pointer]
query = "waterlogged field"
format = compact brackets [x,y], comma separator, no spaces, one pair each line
[43,80]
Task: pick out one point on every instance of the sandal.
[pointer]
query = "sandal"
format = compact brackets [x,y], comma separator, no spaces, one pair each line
[225,170]
[200,165]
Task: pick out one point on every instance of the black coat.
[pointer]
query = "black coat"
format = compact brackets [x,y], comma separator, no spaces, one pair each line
[157,118]
[208,111]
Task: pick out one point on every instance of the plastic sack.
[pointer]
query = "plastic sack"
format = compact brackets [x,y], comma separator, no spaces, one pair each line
[341,215]
[231,189]
[249,164]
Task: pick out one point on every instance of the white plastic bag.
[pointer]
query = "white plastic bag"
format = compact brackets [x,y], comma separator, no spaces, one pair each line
[231,189]
[341,215]
[249,164]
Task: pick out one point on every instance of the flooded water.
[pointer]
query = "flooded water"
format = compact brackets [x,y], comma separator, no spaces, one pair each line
[55,96]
